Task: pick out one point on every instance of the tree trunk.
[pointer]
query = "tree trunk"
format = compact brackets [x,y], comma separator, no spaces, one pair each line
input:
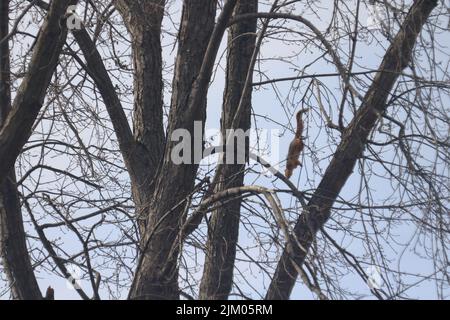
[31,94]
[143,20]
[157,274]
[223,228]
[349,151]
[13,247]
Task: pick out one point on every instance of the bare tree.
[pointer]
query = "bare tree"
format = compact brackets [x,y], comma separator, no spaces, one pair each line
[90,103]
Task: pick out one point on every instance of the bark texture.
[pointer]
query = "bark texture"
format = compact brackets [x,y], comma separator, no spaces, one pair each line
[30,96]
[157,275]
[15,125]
[159,199]
[349,150]
[143,20]
[223,229]
[13,248]
[199,42]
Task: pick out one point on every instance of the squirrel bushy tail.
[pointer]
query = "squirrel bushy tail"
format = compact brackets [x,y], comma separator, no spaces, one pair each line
[295,147]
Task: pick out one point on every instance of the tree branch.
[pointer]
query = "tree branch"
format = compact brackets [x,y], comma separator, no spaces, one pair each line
[350,149]
[30,96]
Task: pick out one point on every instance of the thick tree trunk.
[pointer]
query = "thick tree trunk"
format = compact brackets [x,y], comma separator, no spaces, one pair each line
[157,275]
[199,41]
[143,20]
[223,229]
[13,248]
[350,150]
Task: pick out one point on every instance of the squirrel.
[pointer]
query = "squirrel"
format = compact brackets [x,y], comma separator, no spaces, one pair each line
[296,147]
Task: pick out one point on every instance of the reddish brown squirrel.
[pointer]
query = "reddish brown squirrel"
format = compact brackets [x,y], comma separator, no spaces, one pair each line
[296,147]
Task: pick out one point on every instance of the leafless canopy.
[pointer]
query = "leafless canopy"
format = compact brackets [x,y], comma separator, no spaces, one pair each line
[89,193]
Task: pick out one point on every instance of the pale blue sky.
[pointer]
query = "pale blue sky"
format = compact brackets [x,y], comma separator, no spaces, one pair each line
[266,104]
